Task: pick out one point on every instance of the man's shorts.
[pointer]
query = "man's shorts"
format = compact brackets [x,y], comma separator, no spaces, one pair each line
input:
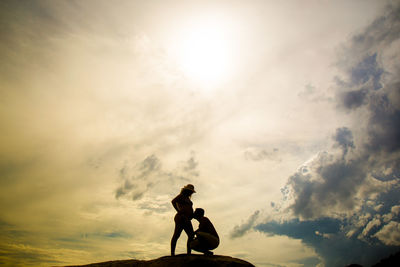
[205,241]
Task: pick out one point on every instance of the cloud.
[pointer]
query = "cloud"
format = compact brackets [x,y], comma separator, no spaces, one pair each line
[190,166]
[26,255]
[373,223]
[149,164]
[137,180]
[240,230]
[124,189]
[309,90]
[354,99]
[18,248]
[259,154]
[325,186]
[390,234]
[344,139]
[329,185]
[158,204]
[393,214]
[310,231]
[365,71]
[86,84]
[326,237]
[310,93]
[344,202]
[379,34]
[105,235]
[383,127]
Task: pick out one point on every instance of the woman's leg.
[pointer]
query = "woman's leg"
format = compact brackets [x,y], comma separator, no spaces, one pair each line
[175,236]
[188,227]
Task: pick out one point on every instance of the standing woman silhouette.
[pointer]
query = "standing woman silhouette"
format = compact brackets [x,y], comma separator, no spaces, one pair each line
[184,207]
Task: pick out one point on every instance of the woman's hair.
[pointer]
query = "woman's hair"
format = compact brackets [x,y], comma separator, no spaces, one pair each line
[186,192]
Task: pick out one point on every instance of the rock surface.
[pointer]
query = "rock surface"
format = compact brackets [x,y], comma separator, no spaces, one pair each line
[182,260]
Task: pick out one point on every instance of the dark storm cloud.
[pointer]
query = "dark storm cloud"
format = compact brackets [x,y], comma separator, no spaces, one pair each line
[326,186]
[344,138]
[380,34]
[384,130]
[354,99]
[240,230]
[305,230]
[327,182]
[367,70]
[362,238]
[346,204]
[364,79]
[325,236]
[331,183]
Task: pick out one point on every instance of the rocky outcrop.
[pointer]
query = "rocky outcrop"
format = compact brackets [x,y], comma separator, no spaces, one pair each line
[392,261]
[182,260]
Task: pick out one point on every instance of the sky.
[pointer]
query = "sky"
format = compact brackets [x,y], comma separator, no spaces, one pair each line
[283,114]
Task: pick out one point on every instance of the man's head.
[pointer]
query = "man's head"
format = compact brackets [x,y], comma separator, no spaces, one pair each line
[198,213]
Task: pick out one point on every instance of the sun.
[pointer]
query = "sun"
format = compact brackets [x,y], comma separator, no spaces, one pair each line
[203,52]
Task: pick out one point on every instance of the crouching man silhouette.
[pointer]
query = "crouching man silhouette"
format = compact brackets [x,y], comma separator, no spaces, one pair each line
[206,237]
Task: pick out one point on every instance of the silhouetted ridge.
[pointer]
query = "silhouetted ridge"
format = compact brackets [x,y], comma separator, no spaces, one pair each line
[391,261]
[182,260]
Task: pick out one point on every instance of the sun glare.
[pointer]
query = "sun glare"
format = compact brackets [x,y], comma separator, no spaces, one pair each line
[204,52]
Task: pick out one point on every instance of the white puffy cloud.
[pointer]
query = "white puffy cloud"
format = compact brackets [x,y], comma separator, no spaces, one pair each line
[390,234]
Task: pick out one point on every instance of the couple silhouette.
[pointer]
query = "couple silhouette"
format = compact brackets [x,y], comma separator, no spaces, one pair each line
[203,239]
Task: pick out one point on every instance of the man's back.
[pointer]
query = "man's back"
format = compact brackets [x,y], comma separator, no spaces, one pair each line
[207,227]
